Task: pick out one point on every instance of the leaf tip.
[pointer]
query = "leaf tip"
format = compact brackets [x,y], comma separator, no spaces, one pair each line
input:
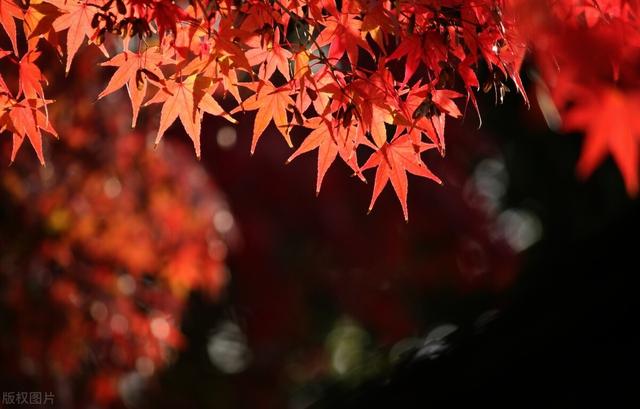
[360,176]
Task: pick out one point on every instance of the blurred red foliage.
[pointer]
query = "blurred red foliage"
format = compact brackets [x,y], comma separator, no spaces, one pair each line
[588,53]
[113,239]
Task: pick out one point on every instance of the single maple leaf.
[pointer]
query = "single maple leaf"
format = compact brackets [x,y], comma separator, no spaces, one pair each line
[187,99]
[272,104]
[179,103]
[343,35]
[77,21]
[393,161]
[128,64]
[611,126]
[270,57]
[133,71]
[330,140]
[321,137]
[26,120]
[30,77]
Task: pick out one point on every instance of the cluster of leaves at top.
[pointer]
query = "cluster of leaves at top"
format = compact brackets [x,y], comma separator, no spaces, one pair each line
[368,78]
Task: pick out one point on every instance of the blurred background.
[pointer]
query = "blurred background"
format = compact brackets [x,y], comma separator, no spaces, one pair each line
[133,277]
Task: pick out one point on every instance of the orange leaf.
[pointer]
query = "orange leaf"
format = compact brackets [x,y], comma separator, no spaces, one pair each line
[179,104]
[271,103]
[77,20]
[130,73]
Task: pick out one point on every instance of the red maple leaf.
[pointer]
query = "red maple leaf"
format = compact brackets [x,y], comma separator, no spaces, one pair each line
[25,120]
[330,139]
[393,161]
[611,125]
[31,78]
[343,35]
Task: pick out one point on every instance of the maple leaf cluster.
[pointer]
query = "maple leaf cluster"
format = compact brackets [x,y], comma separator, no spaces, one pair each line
[371,81]
[368,78]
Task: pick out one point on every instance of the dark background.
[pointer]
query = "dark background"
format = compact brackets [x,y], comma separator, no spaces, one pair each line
[564,330]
